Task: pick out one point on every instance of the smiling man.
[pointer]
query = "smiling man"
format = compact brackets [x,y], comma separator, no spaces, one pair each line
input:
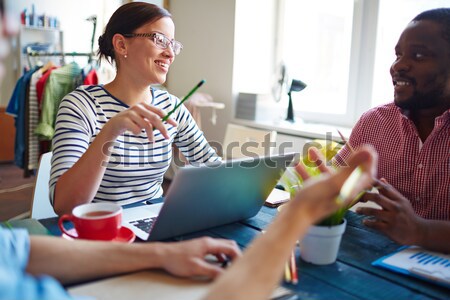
[412,138]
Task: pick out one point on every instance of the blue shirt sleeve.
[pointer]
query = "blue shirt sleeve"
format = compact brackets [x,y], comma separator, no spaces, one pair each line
[15,283]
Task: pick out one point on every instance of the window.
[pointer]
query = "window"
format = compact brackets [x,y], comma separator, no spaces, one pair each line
[316,50]
[343,51]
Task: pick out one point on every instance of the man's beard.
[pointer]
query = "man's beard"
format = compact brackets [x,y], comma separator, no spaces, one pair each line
[419,101]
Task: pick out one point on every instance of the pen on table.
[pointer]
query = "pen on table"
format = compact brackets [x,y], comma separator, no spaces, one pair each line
[287,272]
[166,117]
[293,265]
[345,141]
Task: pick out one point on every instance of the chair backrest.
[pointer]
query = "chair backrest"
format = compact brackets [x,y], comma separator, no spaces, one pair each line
[41,207]
[242,141]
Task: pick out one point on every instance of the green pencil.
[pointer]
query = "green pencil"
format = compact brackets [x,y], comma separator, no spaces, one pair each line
[184,99]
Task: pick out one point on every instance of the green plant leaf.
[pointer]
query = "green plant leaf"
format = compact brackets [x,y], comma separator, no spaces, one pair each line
[292,182]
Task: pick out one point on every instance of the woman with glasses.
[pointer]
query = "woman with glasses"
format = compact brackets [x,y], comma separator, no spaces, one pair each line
[110,143]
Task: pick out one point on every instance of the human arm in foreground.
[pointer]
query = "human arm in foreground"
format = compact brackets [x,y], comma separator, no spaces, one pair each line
[264,260]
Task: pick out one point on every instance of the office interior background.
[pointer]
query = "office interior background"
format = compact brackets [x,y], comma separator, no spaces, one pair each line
[249,51]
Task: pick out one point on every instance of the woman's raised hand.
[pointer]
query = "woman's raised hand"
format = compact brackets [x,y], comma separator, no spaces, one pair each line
[138,117]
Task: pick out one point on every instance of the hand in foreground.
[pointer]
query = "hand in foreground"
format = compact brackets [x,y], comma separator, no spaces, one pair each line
[264,260]
[138,117]
[396,218]
[315,196]
[187,258]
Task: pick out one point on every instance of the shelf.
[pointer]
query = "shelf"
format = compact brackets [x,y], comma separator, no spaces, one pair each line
[41,28]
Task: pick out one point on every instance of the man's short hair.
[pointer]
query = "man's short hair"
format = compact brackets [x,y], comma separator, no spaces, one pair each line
[440,16]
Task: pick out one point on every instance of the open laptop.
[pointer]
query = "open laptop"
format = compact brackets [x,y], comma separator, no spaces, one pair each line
[202,197]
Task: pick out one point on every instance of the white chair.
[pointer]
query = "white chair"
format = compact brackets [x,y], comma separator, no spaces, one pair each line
[242,141]
[41,207]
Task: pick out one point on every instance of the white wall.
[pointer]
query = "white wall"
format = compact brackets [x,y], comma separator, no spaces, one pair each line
[255,45]
[206,29]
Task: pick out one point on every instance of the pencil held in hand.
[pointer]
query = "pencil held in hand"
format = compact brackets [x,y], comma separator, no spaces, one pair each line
[165,118]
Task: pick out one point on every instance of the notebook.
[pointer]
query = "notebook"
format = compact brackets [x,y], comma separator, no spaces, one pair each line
[205,196]
[420,263]
[277,197]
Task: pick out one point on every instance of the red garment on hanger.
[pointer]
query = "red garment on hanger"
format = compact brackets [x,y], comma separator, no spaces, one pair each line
[91,78]
[40,86]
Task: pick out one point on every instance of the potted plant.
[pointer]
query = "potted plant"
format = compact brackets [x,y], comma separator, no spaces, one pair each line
[321,244]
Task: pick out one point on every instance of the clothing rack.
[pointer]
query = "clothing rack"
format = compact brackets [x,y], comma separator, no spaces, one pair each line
[31,53]
[41,51]
[34,53]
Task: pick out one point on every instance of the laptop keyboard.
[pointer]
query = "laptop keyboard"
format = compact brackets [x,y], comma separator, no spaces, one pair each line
[144,224]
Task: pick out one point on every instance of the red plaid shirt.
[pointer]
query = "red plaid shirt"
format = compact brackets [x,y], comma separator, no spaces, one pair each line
[421,172]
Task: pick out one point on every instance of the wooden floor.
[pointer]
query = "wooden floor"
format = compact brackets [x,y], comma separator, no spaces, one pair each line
[13,203]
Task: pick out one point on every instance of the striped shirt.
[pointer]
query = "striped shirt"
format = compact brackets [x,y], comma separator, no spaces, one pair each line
[419,171]
[136,167]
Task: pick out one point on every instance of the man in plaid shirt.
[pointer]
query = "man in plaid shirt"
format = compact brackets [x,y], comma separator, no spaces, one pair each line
[412,138]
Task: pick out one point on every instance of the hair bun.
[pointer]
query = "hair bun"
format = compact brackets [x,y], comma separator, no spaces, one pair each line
[103,46]
[101,40]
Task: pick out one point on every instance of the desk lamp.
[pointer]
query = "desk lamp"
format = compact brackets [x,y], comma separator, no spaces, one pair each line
[296,86]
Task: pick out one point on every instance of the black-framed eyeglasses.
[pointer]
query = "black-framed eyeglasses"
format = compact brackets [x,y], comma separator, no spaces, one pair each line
[160,40]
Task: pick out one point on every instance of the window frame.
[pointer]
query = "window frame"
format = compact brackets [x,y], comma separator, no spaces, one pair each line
[362,63]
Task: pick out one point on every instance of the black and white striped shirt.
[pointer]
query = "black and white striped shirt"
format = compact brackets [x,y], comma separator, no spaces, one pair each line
[136,167]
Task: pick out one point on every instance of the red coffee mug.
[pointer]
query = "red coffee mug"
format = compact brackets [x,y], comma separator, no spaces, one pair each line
[94,221]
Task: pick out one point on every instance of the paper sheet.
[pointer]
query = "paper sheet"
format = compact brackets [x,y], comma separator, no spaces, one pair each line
[420,263]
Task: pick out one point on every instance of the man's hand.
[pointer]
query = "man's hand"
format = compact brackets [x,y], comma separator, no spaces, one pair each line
[396,218]
[187,259]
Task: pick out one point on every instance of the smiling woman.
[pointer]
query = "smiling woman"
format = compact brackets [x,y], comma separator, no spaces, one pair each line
[113,143]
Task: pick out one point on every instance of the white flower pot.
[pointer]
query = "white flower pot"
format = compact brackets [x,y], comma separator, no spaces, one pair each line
[321,244]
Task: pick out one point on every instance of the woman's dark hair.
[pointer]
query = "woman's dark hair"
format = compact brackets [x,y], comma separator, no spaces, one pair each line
[440,16]
[126,19]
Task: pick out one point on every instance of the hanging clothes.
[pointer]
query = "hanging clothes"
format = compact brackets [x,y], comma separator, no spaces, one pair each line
[87,76]
[34,105]
[60,83]
[40,85]
[91,78]
[17,108]
[44,146]
[33,120]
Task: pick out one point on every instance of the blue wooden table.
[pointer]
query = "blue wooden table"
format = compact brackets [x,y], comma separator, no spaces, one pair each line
[351,277]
